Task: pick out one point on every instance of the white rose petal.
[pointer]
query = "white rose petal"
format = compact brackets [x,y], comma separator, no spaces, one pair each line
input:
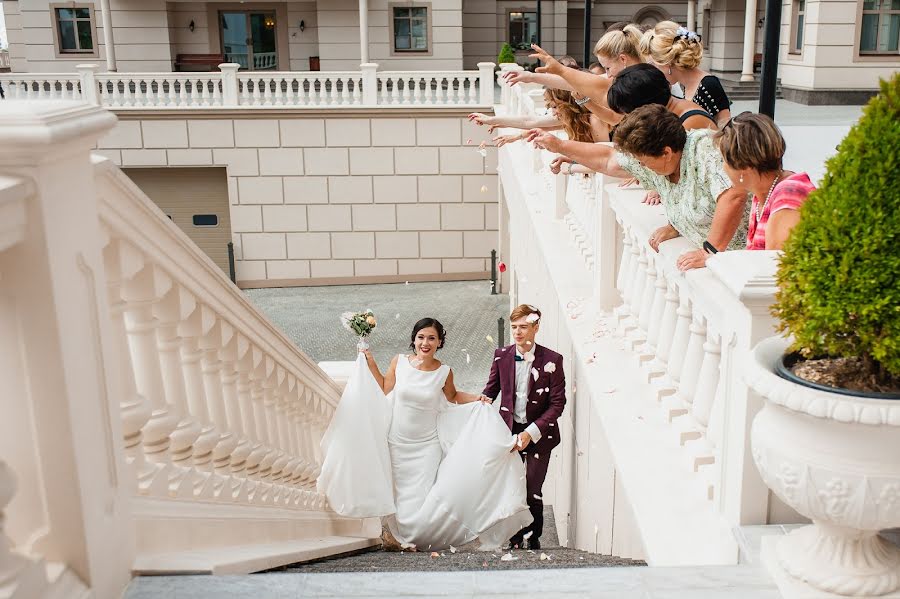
[539,391]
[483,153]
[547,389]
[490,339]
[535,373]
[504,409]
[452,549]
[527,535]
[550,367]
[508,558]
[484,189]
[538,497]
[544,556]
[532,318]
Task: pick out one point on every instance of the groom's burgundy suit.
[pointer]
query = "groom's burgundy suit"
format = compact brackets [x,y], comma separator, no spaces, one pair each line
[546,401]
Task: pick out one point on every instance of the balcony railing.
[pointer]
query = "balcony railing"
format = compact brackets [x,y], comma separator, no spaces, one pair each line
[231,88]
[658,357]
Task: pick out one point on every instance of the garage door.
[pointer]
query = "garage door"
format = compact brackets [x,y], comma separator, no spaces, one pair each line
[196,199]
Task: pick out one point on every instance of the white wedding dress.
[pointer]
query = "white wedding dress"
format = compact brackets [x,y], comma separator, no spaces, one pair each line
[440,474]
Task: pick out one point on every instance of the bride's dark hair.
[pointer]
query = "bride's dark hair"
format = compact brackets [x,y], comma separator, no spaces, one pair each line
[424,324]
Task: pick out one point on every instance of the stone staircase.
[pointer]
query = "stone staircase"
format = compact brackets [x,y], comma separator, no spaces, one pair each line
[738,90]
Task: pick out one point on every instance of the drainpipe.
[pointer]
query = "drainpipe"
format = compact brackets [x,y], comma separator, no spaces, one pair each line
[363,31]
[108,36]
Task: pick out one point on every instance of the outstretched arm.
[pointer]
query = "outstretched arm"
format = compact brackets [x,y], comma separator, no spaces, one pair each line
[492,389]
[586,84]
[454,395]
[386,381]
[596,157]
[545,79]
[516,122]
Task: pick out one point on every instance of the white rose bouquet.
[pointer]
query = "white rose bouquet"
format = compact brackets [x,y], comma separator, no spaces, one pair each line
[361,324]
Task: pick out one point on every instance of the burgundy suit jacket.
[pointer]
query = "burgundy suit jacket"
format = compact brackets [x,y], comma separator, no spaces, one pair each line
[545,407]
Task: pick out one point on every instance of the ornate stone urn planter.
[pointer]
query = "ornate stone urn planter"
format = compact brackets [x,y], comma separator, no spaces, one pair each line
[834,458]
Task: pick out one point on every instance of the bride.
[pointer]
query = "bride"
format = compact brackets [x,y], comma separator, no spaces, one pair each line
[433,461]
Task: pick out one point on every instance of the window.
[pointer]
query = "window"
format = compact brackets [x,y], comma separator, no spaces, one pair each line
[796,46]
[74,28]
[522,30]
[880,27]
[410,26]
[206,220]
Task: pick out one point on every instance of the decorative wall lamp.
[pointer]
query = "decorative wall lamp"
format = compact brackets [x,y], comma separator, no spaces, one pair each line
[302,25]
[191,25]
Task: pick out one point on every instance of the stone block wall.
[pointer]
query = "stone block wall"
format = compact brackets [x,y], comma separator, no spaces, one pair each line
[336,197]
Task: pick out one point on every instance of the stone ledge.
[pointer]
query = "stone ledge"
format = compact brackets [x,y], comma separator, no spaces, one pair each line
[828,97]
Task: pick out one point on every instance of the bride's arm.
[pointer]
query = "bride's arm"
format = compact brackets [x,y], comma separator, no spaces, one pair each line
[454,395]
[388,380]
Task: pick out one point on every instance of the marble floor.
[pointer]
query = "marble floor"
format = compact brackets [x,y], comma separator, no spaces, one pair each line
[713,582]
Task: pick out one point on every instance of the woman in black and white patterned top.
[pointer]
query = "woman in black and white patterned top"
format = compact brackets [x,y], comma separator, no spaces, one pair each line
[677,52]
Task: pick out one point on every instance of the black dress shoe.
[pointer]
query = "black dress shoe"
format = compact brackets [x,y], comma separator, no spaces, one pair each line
[516,543]
[534,544]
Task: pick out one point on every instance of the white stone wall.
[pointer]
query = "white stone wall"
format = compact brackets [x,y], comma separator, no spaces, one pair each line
[338,22]
[318,199]
[828,60]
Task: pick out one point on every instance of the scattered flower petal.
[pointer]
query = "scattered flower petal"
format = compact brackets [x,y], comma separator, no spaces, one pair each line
[490,339]
[532,318]
[497,358]
[504,409]
[550,367]
[538,497]
[552,424]
[527,535]
[469,142]
[544,556]
[509,557]
[535,373]
[539,391]
[609,390]
[484,189]
[468,359]
[452,549]
[537,457]
[435,554]
[483,153]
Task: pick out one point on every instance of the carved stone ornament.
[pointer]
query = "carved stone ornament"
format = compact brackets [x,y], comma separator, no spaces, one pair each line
[835,459]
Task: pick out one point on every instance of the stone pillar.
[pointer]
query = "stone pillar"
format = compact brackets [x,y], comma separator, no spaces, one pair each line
[749,41]
[108,41]
[57,280]
[691,23]
[363,31]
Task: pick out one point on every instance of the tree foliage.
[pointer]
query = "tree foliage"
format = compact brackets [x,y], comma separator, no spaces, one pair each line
[506,54]
[839,277]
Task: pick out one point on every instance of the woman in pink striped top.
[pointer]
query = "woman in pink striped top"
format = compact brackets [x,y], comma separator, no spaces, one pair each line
[753,149]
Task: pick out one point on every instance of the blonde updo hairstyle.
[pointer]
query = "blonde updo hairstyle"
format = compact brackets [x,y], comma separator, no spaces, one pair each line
[625,41]
[666,46]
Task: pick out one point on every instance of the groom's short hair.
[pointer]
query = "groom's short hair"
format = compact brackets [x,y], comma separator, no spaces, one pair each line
[524,311]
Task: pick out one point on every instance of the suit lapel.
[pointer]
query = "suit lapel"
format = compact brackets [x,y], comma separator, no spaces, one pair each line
[510,365]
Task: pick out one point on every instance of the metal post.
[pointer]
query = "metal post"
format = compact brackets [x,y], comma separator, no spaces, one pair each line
[501,332]
[493,272]
[231,274]
[539,23]
[769,75]
[587,32]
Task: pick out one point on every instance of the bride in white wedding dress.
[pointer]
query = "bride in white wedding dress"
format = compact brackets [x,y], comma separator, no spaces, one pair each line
[433,461]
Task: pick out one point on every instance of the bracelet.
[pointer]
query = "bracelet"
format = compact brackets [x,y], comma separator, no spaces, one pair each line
[583,101]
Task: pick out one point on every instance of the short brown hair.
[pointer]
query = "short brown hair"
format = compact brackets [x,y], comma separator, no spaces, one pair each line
[649,130]
[751,141]
[524,311]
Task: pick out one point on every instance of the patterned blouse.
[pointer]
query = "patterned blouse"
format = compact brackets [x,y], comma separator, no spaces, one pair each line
[787,195]
[691,203]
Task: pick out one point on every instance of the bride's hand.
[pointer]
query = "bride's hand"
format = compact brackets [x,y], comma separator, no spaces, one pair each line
[485,399]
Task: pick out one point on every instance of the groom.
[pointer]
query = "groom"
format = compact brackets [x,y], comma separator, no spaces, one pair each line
[532,385]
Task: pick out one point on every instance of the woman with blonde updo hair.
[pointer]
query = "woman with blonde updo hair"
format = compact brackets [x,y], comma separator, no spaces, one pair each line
[677,52]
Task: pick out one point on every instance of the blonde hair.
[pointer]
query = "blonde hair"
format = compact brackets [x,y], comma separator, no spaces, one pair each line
[670,44]
[751,141]
[626,41]
[575,119]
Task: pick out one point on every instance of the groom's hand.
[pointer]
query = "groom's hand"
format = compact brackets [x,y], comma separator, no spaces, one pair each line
[524,440]
[485,399]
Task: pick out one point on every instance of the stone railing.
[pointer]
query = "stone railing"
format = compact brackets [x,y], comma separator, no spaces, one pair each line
[659,410]
[4,59]
[157,412]
[231,88]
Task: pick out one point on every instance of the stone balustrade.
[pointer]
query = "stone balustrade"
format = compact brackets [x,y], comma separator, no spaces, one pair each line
[231,88]
[658,359]
[145,400]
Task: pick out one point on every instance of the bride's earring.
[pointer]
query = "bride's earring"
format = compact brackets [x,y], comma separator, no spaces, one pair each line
[670,70]
[741,179]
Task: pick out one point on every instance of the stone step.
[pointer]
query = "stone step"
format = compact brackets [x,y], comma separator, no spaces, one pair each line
[248,558]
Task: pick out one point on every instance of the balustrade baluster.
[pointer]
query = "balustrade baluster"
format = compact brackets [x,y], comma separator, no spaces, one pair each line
[190,330]
[460,90]
[657,310]
[406,95]
[256,93]
[160,92]
[693,360]
[335,96]
[128,95]
[20,575]
[357,91]
[123,262]
[680,339]
[707,380]
[230,353]
[211,364]
[174,307]
[140,293]
[395,90]
[385,93]
[667,324]
[624,262]
[115,97]
[647,292]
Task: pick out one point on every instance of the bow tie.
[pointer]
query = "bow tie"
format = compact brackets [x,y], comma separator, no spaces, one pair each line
[519,358]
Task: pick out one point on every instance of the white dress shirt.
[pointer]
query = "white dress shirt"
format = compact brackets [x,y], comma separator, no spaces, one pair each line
[523,371]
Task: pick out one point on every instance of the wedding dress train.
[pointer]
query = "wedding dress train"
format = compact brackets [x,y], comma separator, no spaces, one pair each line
[440,474]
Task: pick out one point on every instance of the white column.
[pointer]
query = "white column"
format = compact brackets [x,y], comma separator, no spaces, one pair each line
[363,31]
[691,15]
[108,41]
[749,41]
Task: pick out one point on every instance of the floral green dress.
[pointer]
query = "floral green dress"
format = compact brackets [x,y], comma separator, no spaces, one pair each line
[691,203]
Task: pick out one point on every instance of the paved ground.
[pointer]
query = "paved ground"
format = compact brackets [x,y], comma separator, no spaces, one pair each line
[310,316]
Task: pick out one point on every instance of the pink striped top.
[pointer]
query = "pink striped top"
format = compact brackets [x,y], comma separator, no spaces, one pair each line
[788,194]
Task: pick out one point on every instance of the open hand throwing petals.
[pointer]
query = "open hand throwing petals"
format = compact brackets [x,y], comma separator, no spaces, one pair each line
[551,65]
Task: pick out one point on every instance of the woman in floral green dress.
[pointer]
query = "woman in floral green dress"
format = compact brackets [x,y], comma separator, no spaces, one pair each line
[685,167]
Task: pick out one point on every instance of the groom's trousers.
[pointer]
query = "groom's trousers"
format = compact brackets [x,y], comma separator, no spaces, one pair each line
[535,472]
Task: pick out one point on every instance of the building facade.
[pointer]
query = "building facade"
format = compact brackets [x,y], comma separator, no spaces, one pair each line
[832,51]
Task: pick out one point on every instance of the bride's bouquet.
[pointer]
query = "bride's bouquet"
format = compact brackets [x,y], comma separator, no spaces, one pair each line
[361,324]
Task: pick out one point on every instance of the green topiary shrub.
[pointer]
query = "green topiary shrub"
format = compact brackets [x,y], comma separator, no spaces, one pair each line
[506,54]
[839,277]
